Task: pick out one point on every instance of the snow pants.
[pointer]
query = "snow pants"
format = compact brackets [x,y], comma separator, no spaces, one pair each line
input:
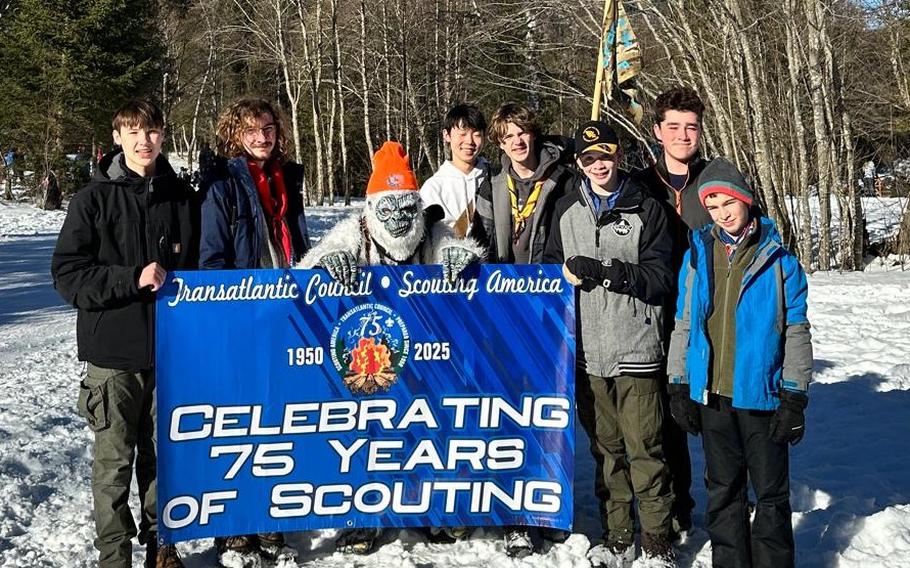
[119,407]
[676,450]
[738,449]
[623,419]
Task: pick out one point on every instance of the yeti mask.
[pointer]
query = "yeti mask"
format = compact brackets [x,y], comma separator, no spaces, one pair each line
[395,221]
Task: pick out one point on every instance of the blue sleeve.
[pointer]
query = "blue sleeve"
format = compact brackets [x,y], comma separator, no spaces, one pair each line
[219,212]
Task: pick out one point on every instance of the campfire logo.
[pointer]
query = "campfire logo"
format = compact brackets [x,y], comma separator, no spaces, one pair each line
[370,346]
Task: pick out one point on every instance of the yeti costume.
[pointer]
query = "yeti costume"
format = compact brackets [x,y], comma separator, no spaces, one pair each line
[391,229]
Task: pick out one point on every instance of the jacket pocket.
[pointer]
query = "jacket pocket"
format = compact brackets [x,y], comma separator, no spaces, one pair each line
[93,402]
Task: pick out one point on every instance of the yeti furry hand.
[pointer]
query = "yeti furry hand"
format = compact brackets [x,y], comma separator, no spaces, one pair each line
[342,267]
[456,258]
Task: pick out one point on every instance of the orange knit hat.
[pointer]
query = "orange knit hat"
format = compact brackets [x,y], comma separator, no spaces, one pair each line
[391,170]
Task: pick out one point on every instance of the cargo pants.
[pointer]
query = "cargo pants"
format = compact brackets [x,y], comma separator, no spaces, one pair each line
[623,418]
[119,407]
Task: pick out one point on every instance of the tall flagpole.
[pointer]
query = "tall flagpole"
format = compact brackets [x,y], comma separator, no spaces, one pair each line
[599,78]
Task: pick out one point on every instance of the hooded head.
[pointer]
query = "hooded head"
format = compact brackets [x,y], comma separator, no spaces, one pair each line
[393,211]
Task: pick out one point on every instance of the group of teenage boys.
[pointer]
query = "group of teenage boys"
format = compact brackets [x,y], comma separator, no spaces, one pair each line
[664,325]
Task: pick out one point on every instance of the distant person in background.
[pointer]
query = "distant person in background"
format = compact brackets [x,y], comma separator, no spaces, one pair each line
[869,178]
[101,266]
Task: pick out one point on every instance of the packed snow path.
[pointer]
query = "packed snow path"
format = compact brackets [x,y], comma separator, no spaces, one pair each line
[851,488]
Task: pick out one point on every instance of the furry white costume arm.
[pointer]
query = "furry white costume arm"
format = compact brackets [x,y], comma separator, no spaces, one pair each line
[452,253]
[343,237]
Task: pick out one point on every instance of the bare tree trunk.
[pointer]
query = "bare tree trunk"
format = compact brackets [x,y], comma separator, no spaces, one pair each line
[365,90]
[314,71]
[803,213]
[387,67]
[339,93]
[815,21]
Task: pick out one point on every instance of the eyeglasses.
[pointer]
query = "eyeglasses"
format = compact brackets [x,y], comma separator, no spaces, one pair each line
[268,131]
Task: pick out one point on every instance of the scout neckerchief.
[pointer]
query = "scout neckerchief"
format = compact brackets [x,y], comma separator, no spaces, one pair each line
[520,217]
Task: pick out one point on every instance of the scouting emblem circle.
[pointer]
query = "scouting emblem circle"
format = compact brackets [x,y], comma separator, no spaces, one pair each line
[590,134]
[622,227]
[370,346]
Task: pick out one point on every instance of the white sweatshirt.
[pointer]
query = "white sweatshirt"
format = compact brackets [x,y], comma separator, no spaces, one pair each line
[455,192]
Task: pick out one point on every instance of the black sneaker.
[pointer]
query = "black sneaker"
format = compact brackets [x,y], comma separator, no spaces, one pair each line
[657,551]
[518,542]
[554,535]
[613,553]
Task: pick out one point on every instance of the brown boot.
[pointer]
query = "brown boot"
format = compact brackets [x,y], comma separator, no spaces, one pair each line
[162,556]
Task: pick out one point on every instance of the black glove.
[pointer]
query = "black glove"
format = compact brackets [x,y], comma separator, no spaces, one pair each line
[788,425]
[683,409]
[608,273]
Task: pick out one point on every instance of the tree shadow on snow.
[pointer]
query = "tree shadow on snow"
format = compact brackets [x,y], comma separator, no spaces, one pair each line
[852,464]
[25,284]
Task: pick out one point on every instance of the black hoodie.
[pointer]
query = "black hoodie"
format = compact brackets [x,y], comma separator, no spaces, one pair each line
[115,226]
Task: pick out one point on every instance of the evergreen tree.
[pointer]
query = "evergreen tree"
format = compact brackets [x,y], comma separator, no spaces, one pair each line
[65,65]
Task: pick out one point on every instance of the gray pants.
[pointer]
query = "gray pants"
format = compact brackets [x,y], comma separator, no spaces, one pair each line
[623,419]
[119,407]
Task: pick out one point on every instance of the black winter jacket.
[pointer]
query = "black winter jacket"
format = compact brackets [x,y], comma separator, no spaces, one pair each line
[115,226]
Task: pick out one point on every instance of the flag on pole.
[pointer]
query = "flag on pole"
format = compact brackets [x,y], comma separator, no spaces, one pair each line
[618,62]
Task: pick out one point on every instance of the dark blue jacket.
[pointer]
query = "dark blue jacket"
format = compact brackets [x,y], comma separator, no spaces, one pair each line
[773,343]
[232,217]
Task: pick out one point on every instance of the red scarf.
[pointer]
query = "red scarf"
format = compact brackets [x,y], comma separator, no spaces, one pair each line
[274,199]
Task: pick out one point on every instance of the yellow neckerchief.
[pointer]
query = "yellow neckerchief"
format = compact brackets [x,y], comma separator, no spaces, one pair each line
[520,217]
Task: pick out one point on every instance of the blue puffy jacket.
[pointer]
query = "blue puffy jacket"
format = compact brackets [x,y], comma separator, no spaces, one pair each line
[773,343]
[233,221]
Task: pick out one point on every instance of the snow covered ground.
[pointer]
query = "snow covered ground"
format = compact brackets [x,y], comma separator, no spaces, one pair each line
[850,494]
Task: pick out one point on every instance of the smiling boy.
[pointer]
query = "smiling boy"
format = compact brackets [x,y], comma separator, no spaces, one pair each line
[454,185]
[130,225]
[740,363]
[613,243]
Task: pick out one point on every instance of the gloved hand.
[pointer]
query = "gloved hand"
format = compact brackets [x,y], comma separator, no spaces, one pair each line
[606,273]
[788,425]
[342,267]
[683,409]
[455,259]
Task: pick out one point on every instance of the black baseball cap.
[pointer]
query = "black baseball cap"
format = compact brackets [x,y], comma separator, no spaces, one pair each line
[596,136]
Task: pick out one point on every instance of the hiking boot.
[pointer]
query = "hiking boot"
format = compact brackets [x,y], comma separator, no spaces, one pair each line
[357,541]
[657,551]
[447,535]
[240,551]
[518,542]
[161,556]
[614,553]
[458,533]
[272,546]
[167,557]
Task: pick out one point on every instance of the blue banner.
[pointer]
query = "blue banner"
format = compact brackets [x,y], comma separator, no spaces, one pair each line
[286,402]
